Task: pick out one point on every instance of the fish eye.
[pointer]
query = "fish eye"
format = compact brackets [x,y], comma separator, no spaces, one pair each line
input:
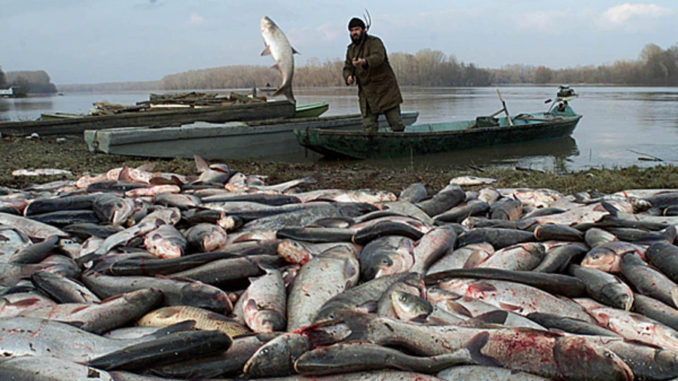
[264,351]
[403,297]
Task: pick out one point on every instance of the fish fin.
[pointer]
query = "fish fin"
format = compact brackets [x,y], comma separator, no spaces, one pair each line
[275,66]
[494,317]
[482,286]
[458,308]
[186,325]
[146,167]
[265,267]
[24,303]
[369,307]
[287,92]
[535,331]
[77,324]
[610,208]
[266,51]
[475,346]
[124,175]
[294,51]
[357,322]
[509,307]
[200,163]
[422,319]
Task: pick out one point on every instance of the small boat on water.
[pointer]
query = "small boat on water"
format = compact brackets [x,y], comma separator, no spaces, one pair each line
[560,120]
[312,110]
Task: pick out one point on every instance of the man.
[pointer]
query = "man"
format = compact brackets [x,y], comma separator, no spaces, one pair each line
[367,65]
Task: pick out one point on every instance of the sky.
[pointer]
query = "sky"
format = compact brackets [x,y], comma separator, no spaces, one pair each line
[94,41]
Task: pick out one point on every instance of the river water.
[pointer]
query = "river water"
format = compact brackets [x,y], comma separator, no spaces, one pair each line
[621,127]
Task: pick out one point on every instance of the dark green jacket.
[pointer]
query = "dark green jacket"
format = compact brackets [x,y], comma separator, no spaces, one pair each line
[376,81]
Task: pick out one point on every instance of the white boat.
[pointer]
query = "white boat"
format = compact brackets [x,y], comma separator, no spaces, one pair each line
[233,140]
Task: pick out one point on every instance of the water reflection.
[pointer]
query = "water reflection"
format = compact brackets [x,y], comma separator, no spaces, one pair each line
[551,154]
[24,108]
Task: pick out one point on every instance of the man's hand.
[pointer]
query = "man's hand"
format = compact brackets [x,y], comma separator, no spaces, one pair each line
[359,62]
[350,80]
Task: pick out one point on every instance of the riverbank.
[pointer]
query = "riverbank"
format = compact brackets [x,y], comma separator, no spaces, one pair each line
[72,154]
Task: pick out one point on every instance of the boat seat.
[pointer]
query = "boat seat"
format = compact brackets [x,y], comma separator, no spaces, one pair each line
[485,121]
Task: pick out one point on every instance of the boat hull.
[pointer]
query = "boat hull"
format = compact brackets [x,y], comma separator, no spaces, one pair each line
[360,145]
[234,140]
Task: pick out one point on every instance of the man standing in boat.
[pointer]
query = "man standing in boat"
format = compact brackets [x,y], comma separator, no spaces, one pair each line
[367,65]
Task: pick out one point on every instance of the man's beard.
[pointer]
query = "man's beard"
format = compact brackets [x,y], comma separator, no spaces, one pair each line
[357,38]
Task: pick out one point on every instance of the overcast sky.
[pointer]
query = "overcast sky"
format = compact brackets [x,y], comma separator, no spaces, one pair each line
[91,41]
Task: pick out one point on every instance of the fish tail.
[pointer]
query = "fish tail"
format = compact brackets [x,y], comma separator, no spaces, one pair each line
[286,90]
[474,347]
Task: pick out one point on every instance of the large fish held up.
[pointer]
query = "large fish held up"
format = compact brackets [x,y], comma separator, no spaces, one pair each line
[279,47]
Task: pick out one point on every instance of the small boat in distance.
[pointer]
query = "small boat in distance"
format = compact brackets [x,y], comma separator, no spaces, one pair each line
[312,110]
[560,120]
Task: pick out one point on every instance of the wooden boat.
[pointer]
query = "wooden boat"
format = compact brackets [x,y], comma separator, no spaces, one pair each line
[235,140]
[216,114]
[559,121]
[311,110]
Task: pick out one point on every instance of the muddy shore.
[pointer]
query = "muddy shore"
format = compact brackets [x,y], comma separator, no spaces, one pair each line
[73,155]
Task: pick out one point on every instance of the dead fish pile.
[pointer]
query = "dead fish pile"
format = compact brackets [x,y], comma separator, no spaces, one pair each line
[134,274]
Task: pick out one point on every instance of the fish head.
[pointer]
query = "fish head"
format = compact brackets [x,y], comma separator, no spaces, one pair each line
[602,259]
[619,299]
[277,357]
[162,247]
[214,239]
[294,252]
[206,296]
[386,257]
[578,358]
[268,321]
[267,25]
[408,306]
[394,263]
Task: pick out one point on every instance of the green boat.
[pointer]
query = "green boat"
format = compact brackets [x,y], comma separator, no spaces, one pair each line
[312,110]
[560,120]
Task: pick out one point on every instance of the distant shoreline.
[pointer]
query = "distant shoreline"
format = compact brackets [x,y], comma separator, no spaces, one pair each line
[106,87]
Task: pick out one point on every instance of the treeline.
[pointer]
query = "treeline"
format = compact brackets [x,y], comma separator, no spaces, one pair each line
[426,68]
[313,74]
[25,82]
[433,68]
[3,79]
[655,67]
[112,86]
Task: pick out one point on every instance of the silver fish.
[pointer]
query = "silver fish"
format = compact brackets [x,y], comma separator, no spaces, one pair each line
[279,47]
